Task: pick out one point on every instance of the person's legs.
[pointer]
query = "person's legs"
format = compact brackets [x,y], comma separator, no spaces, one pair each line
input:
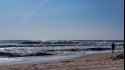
[113,50]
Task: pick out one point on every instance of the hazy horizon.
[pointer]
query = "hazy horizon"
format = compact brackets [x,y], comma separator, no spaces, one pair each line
[61,39]
[61,19]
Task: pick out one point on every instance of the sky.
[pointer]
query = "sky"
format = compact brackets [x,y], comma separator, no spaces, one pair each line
[61,19]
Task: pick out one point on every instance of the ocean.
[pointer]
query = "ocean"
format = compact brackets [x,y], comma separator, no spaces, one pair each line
[26,54]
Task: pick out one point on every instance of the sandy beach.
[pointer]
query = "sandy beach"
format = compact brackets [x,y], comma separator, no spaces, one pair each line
[101,61]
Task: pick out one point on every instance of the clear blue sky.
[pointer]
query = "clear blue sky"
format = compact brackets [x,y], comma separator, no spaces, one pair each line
[61,19]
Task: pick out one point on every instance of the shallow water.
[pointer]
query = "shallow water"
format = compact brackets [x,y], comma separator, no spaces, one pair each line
[31,59]
[62,55]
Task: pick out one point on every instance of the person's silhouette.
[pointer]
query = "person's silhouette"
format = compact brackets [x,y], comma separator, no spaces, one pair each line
[113,47]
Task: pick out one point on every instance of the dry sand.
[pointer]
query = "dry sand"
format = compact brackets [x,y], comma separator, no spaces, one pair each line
[103,61]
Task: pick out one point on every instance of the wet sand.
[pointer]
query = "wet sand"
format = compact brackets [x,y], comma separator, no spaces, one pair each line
[102,61]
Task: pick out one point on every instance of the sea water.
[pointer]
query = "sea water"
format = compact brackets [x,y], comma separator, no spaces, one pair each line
[59,53]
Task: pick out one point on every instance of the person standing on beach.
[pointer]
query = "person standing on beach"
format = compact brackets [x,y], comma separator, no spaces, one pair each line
[113,47]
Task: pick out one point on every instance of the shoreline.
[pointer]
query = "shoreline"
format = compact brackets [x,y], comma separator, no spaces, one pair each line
[32,59]
[100,61]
